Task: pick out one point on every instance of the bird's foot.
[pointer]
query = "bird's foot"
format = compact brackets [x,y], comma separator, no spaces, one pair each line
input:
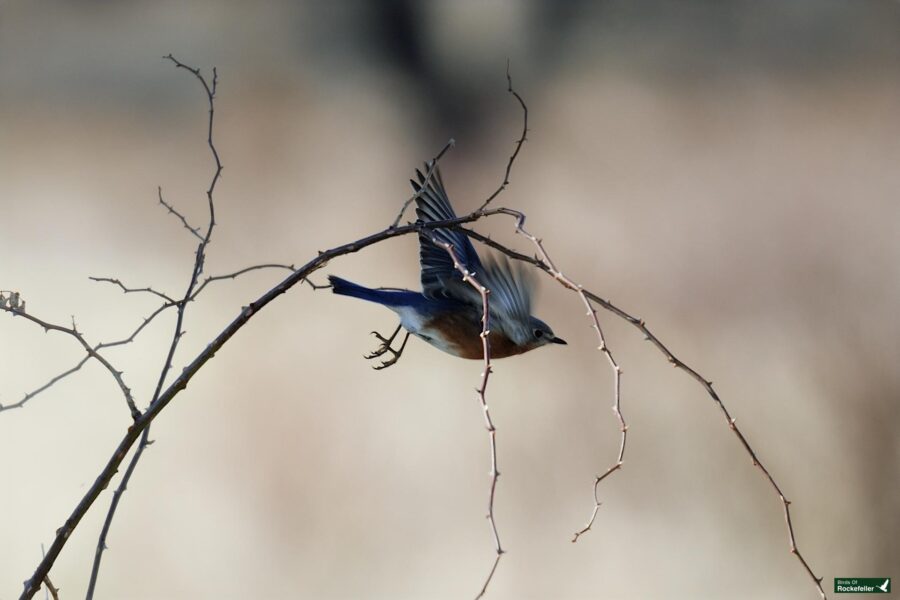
[386,348]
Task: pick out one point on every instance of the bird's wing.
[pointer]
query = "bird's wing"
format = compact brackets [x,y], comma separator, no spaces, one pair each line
[439,277]
[512,289]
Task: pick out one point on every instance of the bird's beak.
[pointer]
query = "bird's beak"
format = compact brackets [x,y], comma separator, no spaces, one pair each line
[557,340]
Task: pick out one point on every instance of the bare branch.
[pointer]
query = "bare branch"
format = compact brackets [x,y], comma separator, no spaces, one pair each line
[211,279]
[49,588]
[544,265]
[54,591]
[73,332]
[123,485]
[519,143]
[127,290]
[164,394]
[133,432]
[485,374]
[210,88]
[181,306]
[194,230]
[47,385]
[200,255]
[432,166]
[144,323]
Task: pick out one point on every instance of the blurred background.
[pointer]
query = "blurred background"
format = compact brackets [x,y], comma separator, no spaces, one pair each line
[727,171]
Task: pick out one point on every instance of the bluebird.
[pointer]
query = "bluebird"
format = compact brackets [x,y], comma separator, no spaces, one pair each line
[447,312]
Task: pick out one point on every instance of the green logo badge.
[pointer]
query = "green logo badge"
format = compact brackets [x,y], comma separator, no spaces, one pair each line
[862,585]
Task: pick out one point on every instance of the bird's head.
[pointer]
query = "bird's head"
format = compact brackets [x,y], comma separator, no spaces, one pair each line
[540,334]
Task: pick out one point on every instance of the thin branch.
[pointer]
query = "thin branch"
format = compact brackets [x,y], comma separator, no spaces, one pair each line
[213,278]
[469,278]
[673,360]
[144,323]
[432,167]
[73,332]
[317,286]
[200,255]
[210,88]
[123,485]
[194,230]
[181,306]
[133,432]
[604,348]
[54,591]
[48,585]
[128,290]
[47,385]
[519,143]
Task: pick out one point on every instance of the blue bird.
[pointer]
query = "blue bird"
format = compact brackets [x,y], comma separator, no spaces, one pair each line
[447,312]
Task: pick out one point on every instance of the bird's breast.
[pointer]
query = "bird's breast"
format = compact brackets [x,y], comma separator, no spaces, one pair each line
[460,335]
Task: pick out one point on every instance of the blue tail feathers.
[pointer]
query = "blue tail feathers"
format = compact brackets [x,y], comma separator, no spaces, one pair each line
[389,298]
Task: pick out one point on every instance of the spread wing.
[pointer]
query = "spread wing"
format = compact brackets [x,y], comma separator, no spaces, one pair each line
[512,289]
[439,277]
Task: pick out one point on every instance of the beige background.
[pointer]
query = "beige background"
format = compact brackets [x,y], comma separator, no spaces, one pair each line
[729,174]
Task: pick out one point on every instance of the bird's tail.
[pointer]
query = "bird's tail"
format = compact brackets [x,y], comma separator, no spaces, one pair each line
[388,298]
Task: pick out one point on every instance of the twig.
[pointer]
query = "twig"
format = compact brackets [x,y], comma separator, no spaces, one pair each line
[123,485]
[144,323]
[52,381]
[127,290]
[213,278]
[676,362]
[54,591]
[73,332]
[48,585]
[194,230]
[519,143]
[604,348]
[210,89]
[181,306]
[133,432]
[432,167]
[485,374]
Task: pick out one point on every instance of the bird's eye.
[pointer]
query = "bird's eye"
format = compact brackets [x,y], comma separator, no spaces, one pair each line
[538,333]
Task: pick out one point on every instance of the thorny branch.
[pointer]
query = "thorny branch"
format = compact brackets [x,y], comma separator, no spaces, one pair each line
[181,306]
[604,348]
[128,290]
[165,394]
[470,278]
[117,496]
[91,352]
[132,434]
[676,362]
[194,230]
[519,143]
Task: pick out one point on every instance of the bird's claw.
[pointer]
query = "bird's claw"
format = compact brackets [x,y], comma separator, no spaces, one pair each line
[385,348]
[388,362]
[382,349]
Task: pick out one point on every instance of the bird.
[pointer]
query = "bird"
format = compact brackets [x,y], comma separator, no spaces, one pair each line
[447,312]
